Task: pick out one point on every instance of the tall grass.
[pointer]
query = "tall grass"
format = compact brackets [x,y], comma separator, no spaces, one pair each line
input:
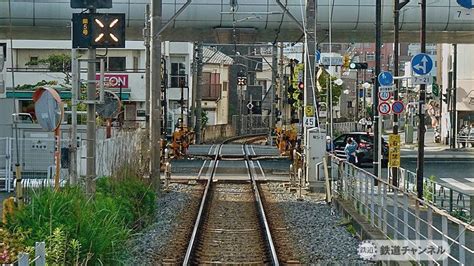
[86,231]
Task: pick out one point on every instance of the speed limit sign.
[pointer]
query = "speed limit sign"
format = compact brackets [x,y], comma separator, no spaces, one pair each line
[384,108]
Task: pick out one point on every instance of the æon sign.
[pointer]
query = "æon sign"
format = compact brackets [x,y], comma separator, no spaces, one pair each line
[115,80]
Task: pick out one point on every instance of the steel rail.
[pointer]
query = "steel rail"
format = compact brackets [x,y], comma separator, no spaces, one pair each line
[261,210]
[204,203]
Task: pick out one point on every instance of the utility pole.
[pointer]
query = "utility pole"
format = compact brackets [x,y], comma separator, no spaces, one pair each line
[282,91]
[199,94]
[155,97]
[271,122]
[454,116]
[377,120]
[74,98]
[396,47]
[421,111]
[357,89]
[194,87]
[146,36]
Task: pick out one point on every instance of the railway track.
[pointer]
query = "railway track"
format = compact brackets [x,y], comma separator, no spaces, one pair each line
[231,225]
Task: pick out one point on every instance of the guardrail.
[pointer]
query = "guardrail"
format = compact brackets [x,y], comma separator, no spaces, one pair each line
[464,141]
[38,260]
[401,215]
[442,196]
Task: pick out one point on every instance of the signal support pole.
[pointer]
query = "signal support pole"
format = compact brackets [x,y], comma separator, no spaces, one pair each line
[155,97]
[396,21]
[91,122]
[421,111]
[377,120]
[146,36]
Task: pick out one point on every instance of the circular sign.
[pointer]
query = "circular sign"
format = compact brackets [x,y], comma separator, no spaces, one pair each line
[49,108]
[384,108]
[385,78]
[398,107]
[384,95]
[421,64]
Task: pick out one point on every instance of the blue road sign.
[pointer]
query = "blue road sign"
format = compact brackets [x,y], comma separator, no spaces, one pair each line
[385,78]
[421,64]
[318,56]
[398,107]
[465,3]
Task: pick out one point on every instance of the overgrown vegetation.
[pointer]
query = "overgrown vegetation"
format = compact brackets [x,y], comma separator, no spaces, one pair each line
[78,230]
[462,215]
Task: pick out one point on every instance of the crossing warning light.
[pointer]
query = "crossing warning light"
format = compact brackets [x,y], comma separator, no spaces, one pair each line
[98,30]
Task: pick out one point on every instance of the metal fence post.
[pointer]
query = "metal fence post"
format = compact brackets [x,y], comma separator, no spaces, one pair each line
[444,225]
[379,207]
[372,207]
[23,259]
[462,243]
[384,208]
[367,196]
[395,213]
[40,254]
[405,216]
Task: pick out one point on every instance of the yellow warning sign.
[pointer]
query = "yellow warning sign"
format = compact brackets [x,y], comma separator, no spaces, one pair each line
[309,110]
[394,150]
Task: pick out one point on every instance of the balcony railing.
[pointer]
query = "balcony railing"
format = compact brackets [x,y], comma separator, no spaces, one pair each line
[211,92]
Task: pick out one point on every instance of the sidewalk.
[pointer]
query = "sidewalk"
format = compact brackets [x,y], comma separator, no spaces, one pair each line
[432,150]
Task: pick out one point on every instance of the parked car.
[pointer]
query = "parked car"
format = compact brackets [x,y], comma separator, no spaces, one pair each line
[365,146]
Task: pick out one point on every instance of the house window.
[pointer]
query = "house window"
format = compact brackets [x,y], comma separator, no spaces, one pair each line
[117,64]
[178,74]
[211,86]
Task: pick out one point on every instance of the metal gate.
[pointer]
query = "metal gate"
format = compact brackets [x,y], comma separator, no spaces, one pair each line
[6,178]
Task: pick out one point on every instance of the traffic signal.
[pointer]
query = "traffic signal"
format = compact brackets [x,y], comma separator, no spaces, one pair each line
[358,65]
[98,30]
[91,4]
[301,85]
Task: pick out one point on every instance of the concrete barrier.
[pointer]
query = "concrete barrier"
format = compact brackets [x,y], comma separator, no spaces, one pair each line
[217,132]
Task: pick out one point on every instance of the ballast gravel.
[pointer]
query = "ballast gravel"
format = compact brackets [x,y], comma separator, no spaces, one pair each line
[316,229]
[149,245]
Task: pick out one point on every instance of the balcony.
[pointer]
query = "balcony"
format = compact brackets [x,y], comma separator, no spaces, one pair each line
[211,92]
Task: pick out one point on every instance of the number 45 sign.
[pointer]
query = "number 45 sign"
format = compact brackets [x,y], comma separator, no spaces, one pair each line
[309,121]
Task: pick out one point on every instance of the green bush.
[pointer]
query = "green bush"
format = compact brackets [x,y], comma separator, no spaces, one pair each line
[78,230]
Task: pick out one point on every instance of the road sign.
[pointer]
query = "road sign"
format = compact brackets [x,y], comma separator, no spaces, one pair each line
[250,106]
[309,110]
[309,121]
[335,60]
[384,95]
[394,150]
[385,78]
[398,107]
[384,108]
[421,64]
[318,56]
[417,80]
[386,89]
[465,3]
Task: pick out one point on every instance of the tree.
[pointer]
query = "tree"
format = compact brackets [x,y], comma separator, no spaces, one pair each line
[56,63]
[323,86]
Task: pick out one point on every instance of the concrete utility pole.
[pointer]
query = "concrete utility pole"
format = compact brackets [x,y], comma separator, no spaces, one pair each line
[146,37]
[194,87]
[199,63]
[377,120]
[281,89]
[74,97]
[155,97]
[421,111]
[271,122]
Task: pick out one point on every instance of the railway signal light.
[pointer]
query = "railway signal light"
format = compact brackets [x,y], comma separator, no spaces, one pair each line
[241,81]
[98,30]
